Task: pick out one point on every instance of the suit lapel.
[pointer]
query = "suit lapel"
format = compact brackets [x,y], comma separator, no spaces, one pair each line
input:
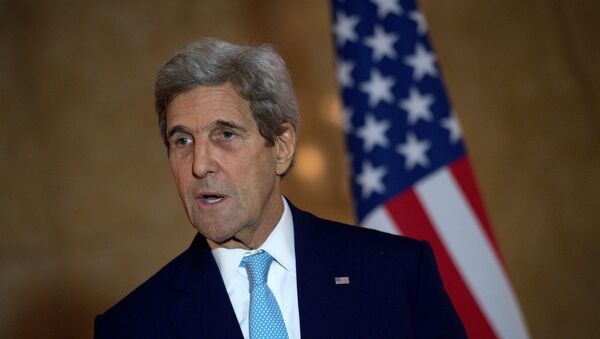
[201,306]
[325,309]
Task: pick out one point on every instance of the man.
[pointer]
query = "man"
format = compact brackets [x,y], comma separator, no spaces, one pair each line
[259,267]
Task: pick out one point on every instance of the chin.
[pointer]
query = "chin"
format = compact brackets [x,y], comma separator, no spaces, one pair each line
[217,237]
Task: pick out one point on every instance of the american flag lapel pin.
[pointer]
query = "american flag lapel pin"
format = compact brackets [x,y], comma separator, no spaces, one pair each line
[342,280]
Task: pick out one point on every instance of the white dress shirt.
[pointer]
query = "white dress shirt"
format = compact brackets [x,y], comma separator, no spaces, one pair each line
[281,279]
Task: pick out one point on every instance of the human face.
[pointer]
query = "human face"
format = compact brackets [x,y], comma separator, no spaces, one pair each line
[227,177]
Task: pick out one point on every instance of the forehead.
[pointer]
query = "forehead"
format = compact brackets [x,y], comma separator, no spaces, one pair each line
[209,103]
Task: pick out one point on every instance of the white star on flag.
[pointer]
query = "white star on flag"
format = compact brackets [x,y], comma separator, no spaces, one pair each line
[371,179]
[384,7]
[417,106]
[373,133]
[344,70]
[345,28]
[414,151]
[378,88]
[418,17]
[451,124]
[382,44]
[422,62]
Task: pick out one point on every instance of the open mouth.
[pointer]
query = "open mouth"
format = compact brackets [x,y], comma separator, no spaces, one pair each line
[211,198]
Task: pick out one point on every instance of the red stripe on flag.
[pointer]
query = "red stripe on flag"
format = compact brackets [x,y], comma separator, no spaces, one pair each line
[463,173]
[408,214]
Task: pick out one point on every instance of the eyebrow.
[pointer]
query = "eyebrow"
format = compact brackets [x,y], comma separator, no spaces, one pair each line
[218,123]
[229,124]
[177,129]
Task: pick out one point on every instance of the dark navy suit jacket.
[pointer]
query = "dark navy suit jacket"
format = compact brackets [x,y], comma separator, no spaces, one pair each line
[394,290]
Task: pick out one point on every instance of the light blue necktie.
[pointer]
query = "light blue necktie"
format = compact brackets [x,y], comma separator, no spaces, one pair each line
[266,320]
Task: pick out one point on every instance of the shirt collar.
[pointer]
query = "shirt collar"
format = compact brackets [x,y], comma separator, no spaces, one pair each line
[279,244]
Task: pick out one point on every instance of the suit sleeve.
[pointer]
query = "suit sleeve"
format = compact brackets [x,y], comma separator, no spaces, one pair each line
[435,315]
[101,330]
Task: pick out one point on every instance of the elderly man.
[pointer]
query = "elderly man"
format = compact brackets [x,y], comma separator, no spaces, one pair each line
[259,267]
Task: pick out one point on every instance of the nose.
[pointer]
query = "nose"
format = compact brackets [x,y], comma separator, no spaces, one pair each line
[204,162]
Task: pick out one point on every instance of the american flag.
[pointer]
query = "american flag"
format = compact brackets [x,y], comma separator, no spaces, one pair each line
[410,170]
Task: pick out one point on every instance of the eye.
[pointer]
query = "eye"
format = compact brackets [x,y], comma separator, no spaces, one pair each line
[227,135]
[183,141]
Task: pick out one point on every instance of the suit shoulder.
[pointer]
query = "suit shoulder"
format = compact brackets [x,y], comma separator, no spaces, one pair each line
[150,294]
[360,237]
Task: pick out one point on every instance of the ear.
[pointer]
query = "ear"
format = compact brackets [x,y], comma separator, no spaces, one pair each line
[286,147]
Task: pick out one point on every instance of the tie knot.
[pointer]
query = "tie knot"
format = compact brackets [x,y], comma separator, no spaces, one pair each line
[257,266]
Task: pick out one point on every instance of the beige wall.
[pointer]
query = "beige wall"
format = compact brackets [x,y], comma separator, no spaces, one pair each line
[88,209]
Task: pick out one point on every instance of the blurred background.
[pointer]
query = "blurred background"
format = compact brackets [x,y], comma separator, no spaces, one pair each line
[88,209]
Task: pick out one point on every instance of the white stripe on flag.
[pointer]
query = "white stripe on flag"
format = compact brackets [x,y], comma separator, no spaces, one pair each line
[471,252]
[379,219]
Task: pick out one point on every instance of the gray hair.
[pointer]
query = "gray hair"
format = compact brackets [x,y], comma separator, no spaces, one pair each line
[258,74]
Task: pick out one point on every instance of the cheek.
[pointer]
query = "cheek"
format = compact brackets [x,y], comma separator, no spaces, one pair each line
[180,178]
[262,166]
[265,174]
[176,172]
[254,172]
